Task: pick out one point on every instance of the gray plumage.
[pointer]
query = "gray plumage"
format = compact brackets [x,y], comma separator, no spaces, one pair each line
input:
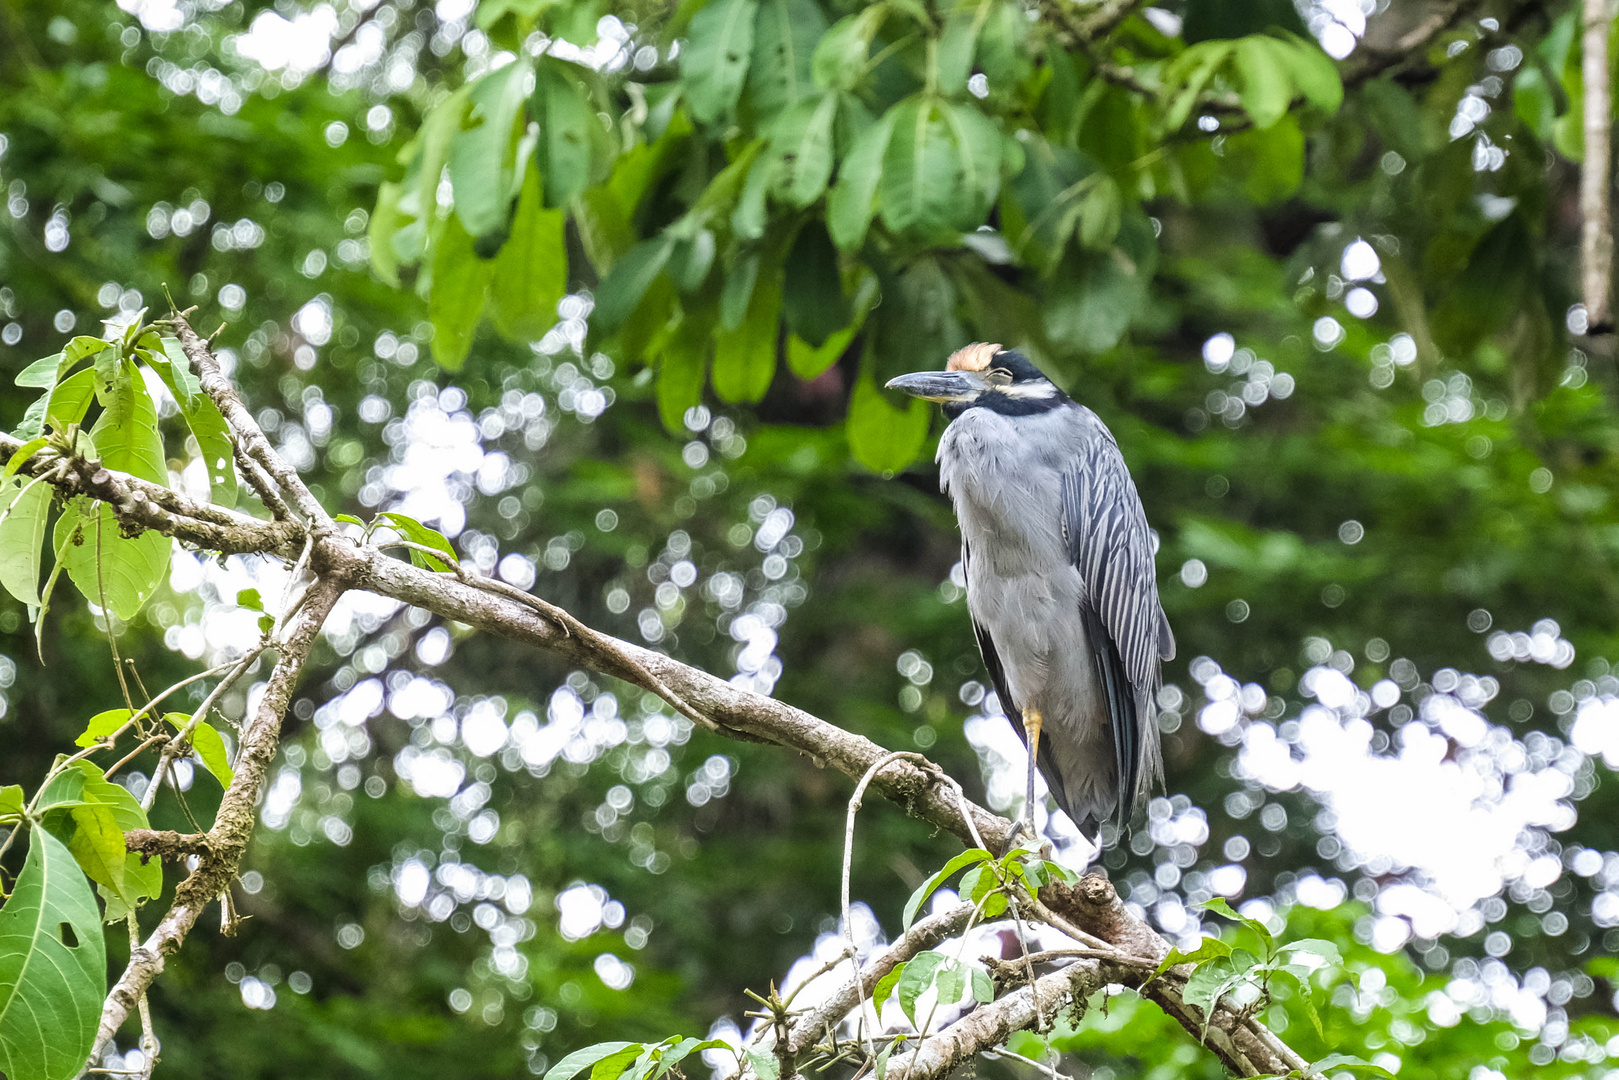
[1061,584]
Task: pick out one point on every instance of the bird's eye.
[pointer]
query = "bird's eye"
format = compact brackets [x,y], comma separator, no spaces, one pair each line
[999,375]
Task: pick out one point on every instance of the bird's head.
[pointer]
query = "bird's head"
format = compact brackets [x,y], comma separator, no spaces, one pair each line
[986,376]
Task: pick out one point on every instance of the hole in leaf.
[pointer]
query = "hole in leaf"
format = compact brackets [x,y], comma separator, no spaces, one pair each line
[69,938]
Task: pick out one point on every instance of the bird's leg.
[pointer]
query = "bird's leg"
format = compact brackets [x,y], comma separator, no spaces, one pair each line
[1031,730]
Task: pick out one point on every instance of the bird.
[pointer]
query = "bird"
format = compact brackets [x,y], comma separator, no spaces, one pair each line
[1061,584]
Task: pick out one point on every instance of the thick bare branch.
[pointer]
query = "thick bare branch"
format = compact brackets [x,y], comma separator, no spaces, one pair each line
[226,841]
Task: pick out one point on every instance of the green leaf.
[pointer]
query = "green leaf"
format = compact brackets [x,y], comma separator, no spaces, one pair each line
[745,358]
[1208,984]
[1314,73]
[42,373]
[111,570]
[803,139]
[460,289]
[1210,948]
[348,519]
[210,747]
[885,986]
[814,302]
[981,152]
[881,1067]
[386,221]
[1220,906]
[24,507]
[1301,979]
[531,272]
[66,788]
[53,967]
[97,844]
[571,138]
[24,452]
[482,159]
[615,1064]
[417,533]
[919,973]
[954,56]
[883,438]
[11,801]
[627,283]
[1187,75]
[250,599]
[922,169]
[138,880]
[1262,70]
[983,986]
[807,361]
[765,1065]
[950,982]
[737,293]
[850,206]
[70,400]
[840,56]
[748,219]
[1319,947]
[203,417]
[682,371]
[101,725]
[579,1060]
[784,38]
[967,858]
[1350,1062]
[714,62]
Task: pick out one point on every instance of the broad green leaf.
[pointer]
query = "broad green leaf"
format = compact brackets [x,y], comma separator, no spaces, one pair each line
[70,400]
[881,1066]
[614,1065]
[714,61]
[1262,70]
[1208,984]
[204,419]
[210,747]
[691,260]
[950,982]
[737,292]
[983,986]
[110,569]
[482,158]
[579,1060]
[918,976]
[1306,989]
[571,136]
[745,358]
[885,986]
[24,452]
[923,173]
[24,507]
[803,139]
[97,844]
[1220,906]
[784,40]
[765,1066]
[250,599]
[681,373]
[954,54]
[631,276]
[965,859]
[1210,948]
[840,56]
[66,788]
[850,206]
[427,155]
[979,144]
[386,221]
[814,302]
[1350,1062]
[1316,76]
[531,271]
[749,216]
[1186,77]
[807,361]
[126,434]
[1326,950]
[883,438]
[42,373]
[53,967]
[101,725]
[459,291]
[417,533]
[11,801]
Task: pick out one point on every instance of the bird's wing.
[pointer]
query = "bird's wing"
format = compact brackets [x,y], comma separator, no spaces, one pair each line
[1111,546]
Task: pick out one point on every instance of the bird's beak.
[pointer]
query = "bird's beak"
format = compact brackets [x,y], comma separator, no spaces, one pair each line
[939,385]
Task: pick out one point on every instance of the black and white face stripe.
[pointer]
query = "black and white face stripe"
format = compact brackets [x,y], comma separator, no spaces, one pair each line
[1012,387]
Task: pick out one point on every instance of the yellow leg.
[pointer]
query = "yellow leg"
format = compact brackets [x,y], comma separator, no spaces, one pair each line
[1031,729]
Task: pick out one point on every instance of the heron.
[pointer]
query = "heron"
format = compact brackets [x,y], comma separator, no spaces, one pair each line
[1061,585]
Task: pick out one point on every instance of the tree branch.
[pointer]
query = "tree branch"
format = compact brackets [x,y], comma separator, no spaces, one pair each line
[226,841]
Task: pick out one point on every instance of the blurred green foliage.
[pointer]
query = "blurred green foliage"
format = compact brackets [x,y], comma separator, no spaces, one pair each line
[1394,457]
